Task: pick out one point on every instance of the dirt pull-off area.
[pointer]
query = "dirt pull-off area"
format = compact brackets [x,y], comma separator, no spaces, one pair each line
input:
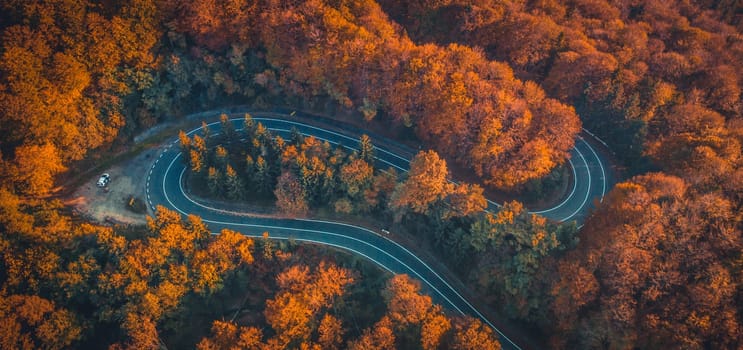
[123,200]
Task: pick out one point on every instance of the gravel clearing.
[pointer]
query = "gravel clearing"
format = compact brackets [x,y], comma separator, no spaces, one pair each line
[111,204]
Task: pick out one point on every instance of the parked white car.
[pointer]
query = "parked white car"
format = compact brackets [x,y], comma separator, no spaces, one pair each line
[104,180]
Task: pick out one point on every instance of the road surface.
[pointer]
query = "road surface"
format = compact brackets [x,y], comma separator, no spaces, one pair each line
[165,187]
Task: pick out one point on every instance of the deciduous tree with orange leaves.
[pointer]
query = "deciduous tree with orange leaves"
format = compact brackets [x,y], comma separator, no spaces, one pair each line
[659,272]
[29,321]
[302,296]
[62,81]
[450,94]
[290,196]
[426,183]
[472,334]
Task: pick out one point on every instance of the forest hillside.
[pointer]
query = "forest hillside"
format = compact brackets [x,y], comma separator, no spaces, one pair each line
[499,88]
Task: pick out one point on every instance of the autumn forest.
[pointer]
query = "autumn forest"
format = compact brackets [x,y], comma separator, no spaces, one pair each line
[494,91]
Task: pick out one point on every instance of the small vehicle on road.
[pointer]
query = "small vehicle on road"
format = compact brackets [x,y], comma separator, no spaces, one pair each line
[104,180]
[385,231]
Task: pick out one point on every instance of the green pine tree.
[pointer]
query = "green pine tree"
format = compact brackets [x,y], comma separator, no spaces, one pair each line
[366,149]
[213,180]
[233,184]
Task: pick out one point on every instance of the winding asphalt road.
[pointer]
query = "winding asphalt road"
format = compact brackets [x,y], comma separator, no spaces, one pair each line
[165,187]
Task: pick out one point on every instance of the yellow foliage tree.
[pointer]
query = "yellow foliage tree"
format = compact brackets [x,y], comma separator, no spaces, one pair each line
[426,184]
[35,166]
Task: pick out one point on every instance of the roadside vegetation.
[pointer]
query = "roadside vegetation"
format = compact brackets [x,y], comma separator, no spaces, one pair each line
[659,263]
[500,253]
[172,284]
[498,87]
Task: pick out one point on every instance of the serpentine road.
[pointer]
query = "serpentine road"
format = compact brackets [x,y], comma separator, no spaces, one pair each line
[165,187]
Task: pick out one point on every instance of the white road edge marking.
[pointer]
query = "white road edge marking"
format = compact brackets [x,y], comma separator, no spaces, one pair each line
[362,228]
[258,118]
[588,191]
[180,184]
[601,165]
